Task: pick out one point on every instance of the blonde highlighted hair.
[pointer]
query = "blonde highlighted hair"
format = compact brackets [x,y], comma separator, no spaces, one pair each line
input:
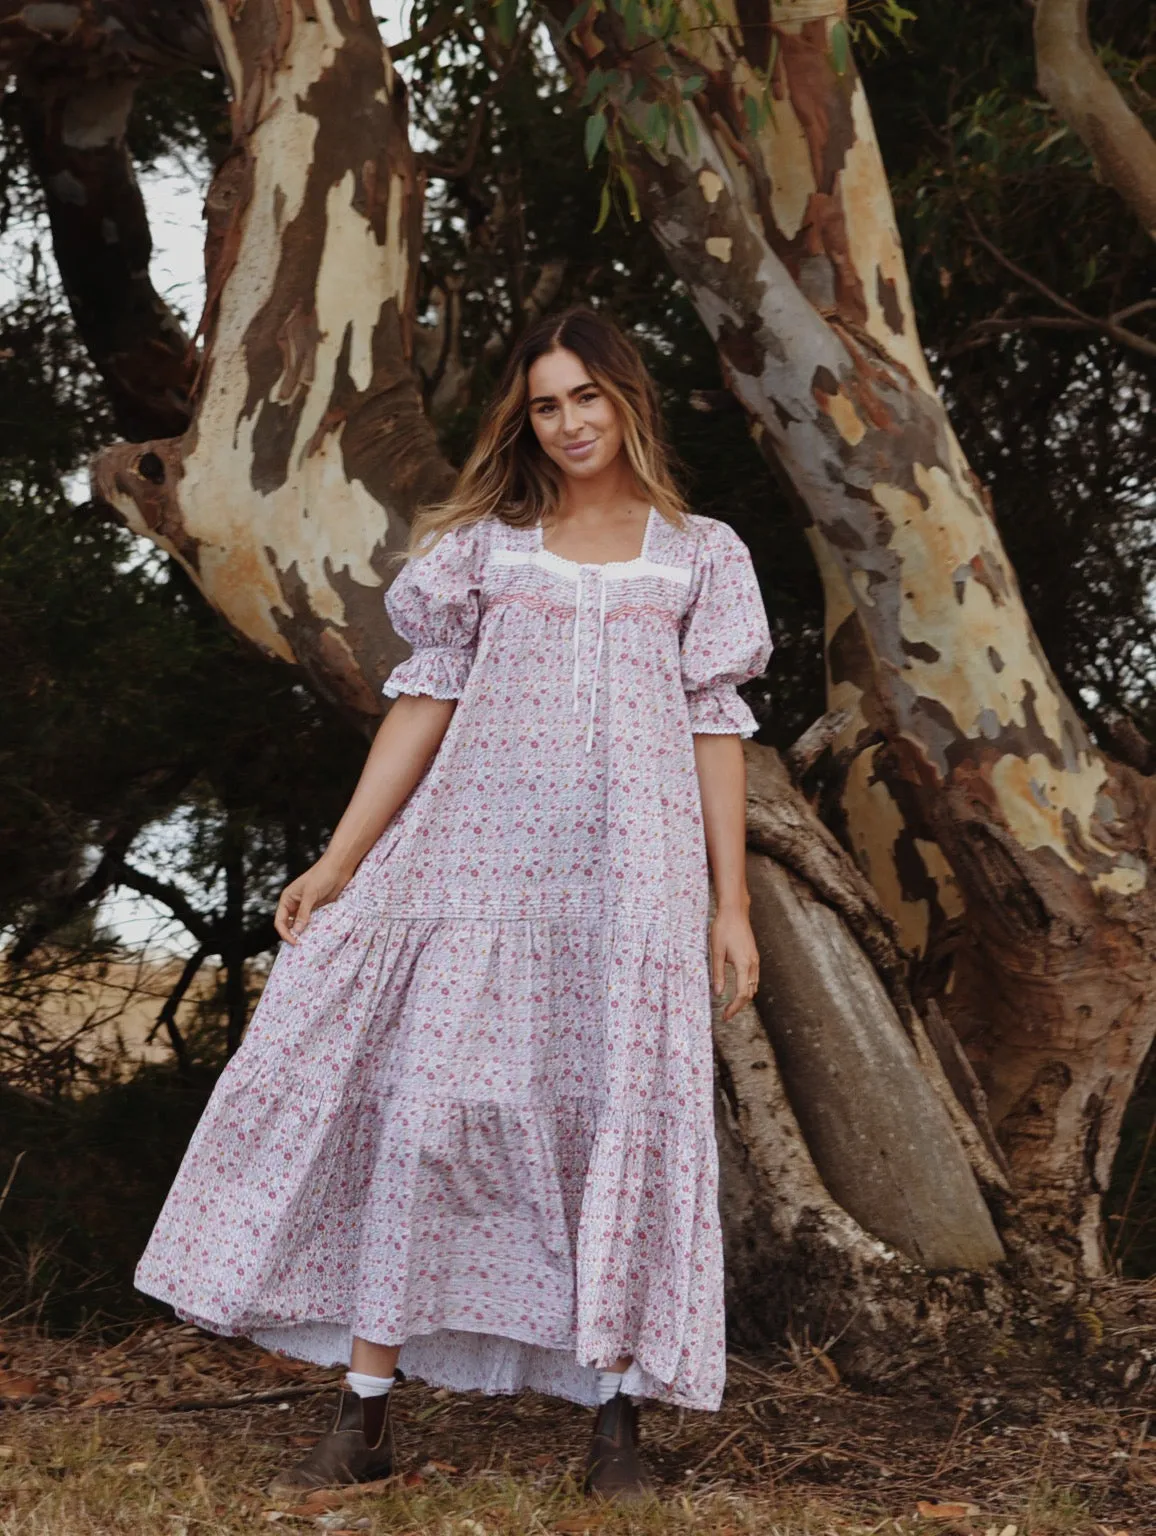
[508,476]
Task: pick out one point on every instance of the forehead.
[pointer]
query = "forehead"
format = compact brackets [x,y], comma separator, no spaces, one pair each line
[556,372]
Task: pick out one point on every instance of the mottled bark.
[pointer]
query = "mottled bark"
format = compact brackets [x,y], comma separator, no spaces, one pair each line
[787,243]
[1078,86]
[309,449]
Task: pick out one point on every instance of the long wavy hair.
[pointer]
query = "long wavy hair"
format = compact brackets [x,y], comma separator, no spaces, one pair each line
[507,475]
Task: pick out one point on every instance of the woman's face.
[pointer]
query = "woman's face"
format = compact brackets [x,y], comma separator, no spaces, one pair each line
[577,425]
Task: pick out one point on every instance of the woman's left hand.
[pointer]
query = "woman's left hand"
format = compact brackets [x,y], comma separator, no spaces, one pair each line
[733,939]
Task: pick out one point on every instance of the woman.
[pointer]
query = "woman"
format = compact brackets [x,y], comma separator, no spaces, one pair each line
[471,1123]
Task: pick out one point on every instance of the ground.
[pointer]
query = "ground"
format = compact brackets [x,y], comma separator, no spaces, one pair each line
[171,1432]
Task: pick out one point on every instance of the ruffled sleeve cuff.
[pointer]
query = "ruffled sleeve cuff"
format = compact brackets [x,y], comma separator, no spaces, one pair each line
[439,672]
[719,710]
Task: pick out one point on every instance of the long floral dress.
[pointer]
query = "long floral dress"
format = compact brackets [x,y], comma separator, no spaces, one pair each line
[473,1112]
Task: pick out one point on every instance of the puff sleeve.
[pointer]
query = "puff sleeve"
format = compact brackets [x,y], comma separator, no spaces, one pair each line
[434,603]
[725,637]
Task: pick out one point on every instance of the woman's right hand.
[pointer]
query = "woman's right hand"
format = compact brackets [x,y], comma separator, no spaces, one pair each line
[317,887]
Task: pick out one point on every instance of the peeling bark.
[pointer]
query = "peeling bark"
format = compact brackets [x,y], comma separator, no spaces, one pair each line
[988,803]
[309,449]
[1078,86]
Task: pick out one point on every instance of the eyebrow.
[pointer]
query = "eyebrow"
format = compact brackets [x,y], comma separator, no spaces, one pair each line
[577,390]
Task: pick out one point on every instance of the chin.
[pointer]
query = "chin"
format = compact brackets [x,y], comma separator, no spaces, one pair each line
[584,468]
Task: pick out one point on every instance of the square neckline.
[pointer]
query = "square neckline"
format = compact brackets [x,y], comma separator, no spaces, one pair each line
[599,565]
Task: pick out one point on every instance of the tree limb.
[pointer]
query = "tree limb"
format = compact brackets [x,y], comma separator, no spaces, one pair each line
[201,927]
[167,1018]
[1080,318]
[1078,86]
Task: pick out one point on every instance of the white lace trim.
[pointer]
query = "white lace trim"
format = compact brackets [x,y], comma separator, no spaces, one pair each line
[640,568]
[614,570]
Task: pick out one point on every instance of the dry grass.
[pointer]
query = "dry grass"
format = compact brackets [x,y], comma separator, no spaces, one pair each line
[96,1441]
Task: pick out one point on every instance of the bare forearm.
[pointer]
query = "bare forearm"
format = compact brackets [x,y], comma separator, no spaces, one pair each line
[407,738]
[722,778]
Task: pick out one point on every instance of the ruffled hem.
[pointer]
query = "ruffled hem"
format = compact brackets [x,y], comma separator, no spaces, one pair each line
[468,1128]
[720,711]
[440,673]
[572,1236]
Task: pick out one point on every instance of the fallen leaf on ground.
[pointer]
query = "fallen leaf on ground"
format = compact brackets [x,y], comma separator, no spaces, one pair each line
[828,1364]
[14,1389]
[99,1398]
[587,1522]
[439,1466]
[931,1511]
[135,1468]
[322,1500]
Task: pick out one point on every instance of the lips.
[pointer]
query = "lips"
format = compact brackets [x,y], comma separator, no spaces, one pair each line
[578,447]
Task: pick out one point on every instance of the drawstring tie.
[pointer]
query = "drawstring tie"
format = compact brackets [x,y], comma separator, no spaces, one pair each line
[597,651]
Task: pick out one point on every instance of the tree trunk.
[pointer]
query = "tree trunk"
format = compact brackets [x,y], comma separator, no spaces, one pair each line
[74,90]
[786,240]
[309,447]
[1072,78]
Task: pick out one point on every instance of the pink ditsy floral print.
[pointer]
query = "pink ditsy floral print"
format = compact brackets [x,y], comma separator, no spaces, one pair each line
[473,1112]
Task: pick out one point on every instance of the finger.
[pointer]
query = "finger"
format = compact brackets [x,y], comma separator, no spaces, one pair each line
[304,913]
[283,917]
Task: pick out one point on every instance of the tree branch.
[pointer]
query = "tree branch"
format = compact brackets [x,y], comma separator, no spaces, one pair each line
[201,927]
[167,1018]
[1079,317]
[1078,86]
[75,136]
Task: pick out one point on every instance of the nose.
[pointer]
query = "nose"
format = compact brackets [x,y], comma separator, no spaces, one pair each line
[571,418]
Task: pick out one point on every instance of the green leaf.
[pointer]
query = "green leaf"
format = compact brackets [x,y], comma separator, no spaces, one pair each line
[576,17]
[597,81]
[752,115]
[507,19]
[840,47]
[603,205]
[631,193]
[632,20]
[595,133]
[657,125]
[692,85]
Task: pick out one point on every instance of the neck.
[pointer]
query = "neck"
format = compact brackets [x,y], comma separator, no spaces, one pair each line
[612,491]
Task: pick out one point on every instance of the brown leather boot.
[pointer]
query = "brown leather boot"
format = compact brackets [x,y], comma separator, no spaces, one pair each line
[358,1449]
[614,1468]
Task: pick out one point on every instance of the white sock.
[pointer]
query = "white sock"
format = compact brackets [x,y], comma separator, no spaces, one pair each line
[368,1386]
[609,1385]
